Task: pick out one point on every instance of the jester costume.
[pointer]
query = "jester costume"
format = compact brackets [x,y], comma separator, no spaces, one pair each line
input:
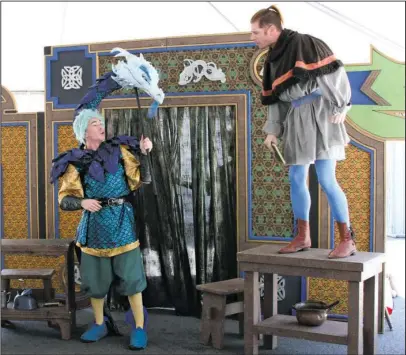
[110,174]
[304,86]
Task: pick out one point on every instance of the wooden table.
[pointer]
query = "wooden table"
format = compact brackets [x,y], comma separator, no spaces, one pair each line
[65,316]
[360,270]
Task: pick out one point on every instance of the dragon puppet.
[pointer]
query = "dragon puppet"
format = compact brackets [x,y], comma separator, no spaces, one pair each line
[96,176]
[133,73]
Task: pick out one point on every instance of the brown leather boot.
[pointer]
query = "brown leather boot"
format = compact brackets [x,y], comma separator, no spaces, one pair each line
[346,247]
[302,240]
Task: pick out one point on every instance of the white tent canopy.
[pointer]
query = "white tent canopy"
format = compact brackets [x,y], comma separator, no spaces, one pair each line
[349,28]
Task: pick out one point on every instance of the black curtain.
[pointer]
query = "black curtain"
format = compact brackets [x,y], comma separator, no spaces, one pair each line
[187,229]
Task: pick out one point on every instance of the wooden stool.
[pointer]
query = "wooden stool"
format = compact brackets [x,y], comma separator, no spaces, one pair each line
[64,316]
[40,274]
[215,309]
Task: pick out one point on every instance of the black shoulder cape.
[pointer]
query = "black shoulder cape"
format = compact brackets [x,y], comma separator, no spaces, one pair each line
[295,57]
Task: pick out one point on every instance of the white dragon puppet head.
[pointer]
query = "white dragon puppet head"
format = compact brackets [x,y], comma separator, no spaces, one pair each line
[136,72]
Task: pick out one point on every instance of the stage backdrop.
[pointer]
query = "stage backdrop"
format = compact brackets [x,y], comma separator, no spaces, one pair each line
[225,70]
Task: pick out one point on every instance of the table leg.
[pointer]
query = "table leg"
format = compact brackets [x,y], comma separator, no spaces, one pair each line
[205,320]
[70,267]
[270,306]
[381,300]
[241,316]
[370,315]
[65,326]
[251,314]
[47,289]
[355,313]
[70,296]
[217,318]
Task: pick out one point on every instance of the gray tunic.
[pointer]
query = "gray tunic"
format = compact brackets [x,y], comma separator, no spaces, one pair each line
[307,132]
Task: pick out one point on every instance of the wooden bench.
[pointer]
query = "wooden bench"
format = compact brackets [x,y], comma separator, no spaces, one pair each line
[215,309]
[64,316]
[34,274]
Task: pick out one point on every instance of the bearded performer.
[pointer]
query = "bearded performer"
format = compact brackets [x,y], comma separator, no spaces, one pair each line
[308,94]
[99,178]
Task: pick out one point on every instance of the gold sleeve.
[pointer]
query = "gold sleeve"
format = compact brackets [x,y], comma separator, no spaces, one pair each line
[132,168]
[70,184]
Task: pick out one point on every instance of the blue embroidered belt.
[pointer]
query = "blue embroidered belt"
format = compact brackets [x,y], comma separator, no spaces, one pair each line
[306,99]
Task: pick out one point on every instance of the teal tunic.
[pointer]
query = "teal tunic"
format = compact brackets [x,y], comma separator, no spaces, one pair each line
[113,226]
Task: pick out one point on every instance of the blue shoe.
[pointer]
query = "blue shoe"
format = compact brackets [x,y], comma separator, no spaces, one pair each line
[95,333]
[129,318]
[138,339]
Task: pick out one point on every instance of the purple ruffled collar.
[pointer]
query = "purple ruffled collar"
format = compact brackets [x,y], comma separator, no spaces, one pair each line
[95,162]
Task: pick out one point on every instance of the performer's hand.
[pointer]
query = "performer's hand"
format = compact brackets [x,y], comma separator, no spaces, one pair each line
[339,118]
[91,205]
[270,138]
[145,145]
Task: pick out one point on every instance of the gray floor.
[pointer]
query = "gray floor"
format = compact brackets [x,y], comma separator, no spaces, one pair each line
[180,335]
[177,335]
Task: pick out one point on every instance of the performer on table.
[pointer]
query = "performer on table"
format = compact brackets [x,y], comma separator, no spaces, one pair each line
[308,95]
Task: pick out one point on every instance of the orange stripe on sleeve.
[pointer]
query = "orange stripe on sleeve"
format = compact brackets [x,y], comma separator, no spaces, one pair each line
[319,64]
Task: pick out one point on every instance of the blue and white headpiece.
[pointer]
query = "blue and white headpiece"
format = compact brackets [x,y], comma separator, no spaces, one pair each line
[136,72]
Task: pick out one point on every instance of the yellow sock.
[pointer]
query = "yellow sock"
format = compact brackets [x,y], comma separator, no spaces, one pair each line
[97,305]
[137,309]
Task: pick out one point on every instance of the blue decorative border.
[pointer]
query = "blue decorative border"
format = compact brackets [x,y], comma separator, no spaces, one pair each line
[371,222]
[1,212]
[265,238]
[26,125]
[55,56]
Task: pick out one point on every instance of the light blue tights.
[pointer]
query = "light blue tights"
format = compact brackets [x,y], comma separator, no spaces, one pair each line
[300,196]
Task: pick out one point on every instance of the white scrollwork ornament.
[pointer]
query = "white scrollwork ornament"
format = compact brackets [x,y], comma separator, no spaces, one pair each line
[281,287]
[195,70]
[78,278]
[71,77]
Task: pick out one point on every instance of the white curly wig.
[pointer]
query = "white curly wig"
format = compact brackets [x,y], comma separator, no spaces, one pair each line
[81,122]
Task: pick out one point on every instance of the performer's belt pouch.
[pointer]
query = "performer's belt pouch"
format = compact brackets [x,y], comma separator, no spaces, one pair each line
[114,201]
